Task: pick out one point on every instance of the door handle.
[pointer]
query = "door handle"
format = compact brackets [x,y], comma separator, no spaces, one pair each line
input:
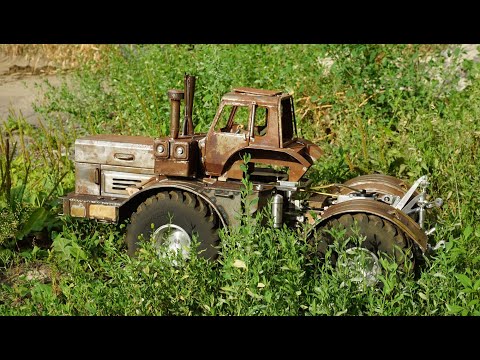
[122,156]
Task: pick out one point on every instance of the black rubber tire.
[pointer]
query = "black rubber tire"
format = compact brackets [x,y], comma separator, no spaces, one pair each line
[182,209]
[381,236]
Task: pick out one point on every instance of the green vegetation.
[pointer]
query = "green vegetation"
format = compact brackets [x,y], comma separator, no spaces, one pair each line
[392,109]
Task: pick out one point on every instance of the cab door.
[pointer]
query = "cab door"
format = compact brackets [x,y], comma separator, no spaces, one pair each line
[230,132]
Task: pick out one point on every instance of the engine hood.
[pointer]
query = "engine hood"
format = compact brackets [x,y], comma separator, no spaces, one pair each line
[131,151]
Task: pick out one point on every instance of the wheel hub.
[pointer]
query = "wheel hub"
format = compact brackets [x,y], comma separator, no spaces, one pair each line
[173,238]
[362,264]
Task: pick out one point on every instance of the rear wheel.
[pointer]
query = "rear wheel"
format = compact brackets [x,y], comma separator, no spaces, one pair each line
[172,219]
[381,238]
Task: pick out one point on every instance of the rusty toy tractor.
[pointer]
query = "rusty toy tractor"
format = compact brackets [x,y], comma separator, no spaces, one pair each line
[184,184]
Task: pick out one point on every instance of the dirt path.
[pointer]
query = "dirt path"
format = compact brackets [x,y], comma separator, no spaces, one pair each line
[20,86]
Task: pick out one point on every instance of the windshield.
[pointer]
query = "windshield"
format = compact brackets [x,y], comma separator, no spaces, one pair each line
[289,128]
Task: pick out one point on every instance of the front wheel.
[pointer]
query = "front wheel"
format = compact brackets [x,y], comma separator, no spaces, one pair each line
[172,219]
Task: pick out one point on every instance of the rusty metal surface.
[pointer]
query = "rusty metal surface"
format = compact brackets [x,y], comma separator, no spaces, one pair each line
[292,157]
[78,210]
[254,91]
[196,187]
[115,183]
[383,184]
[85,179]
[224,148]
[403,221]
[127,169]
[79,205]
[189,81]
[161,148]
[132,151]
[271,138]
[104,200]
[227,202]
[219,148]
[115,173]
[241,98]
[223,197]
[175,97]
[103,212]
[180,158]
[311,150]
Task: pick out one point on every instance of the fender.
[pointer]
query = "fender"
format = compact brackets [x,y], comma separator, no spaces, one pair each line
[288,157]
[283,156]
[385,211]
[155,185]
[384,184]
[312,150]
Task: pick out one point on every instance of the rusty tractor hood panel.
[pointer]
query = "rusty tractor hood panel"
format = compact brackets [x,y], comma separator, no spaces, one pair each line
[131,151]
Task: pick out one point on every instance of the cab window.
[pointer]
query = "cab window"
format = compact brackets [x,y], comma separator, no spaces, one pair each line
[233,119]
[261,121]
[288,117]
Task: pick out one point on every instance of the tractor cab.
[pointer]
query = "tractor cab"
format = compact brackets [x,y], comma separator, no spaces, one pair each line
[259,120]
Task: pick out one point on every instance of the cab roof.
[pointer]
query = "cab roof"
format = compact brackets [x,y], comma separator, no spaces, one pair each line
[261,96]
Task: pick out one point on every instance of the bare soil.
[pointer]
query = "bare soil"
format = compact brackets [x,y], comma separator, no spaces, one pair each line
[21,86]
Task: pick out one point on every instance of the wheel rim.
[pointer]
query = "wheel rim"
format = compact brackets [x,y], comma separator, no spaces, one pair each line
[362,264]
[173,238]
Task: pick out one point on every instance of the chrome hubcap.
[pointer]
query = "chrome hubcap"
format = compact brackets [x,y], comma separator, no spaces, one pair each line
[174,239]
[362,264]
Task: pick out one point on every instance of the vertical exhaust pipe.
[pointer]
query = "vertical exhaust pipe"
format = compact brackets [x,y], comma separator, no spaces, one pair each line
[189,91]
[175,97]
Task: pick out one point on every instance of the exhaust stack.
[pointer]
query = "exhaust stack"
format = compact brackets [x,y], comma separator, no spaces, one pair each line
[175,97]
[189,91]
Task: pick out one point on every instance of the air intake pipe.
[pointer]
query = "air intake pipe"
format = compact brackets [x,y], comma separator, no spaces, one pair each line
[175,97]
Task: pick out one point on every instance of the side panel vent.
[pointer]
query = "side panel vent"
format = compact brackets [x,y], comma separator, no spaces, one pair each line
[121,184]
[115,183]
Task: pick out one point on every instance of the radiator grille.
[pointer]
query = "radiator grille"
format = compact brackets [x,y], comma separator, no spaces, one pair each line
[114,182]
[121,184]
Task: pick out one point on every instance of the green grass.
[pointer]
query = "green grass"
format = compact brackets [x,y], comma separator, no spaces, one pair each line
[379,108]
